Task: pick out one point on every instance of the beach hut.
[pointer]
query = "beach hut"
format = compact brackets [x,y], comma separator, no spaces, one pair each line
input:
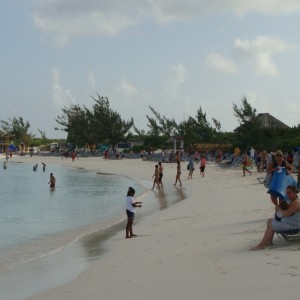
[5,141]
[266,120]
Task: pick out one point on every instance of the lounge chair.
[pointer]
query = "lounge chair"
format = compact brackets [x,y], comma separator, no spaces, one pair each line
[290,235]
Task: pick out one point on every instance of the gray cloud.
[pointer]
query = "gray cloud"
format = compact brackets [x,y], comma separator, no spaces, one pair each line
[67,19]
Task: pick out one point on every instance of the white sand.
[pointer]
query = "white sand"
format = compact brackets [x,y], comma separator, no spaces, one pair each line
[197,249]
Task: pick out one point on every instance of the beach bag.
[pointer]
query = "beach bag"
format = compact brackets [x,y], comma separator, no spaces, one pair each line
[188,166]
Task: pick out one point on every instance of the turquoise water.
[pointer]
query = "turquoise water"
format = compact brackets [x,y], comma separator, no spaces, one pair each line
[31,213]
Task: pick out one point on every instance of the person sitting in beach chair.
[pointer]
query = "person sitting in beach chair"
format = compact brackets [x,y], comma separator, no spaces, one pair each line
[288,224]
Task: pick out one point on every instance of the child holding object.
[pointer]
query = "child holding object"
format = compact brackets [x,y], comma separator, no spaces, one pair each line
[130,211]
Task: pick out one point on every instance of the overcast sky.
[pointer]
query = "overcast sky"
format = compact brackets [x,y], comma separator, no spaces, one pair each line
[172,55]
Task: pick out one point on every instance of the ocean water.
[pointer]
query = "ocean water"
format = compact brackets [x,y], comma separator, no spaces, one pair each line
[48,237]
[32,214]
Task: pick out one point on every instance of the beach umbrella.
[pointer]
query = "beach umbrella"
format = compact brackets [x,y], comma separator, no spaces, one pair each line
[12,147]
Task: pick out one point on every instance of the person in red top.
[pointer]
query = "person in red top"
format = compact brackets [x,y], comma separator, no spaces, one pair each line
[202,164]
[73,156]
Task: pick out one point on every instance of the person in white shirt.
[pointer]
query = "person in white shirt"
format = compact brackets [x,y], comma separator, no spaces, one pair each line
[130,211]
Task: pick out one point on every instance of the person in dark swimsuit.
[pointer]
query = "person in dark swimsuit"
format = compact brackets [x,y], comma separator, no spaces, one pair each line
[52,181]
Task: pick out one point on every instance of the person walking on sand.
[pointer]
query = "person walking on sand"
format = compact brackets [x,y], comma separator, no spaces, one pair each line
[130,212]
[202,164]
[160,174]
[191,167]
[52,181]
[245,163]
[156,177]
[178,173]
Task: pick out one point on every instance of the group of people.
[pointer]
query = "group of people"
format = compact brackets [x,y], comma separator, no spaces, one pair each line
[191,165]
[287,211]
[158,171]
[157,176]
[157,182]
[52,180]
[262,159]
[34,168]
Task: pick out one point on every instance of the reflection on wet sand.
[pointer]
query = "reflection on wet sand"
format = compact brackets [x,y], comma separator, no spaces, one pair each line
[181,194]
[162,199]
[171,196]
[93,244]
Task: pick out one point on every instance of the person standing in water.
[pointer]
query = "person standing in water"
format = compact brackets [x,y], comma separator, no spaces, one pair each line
[52,181]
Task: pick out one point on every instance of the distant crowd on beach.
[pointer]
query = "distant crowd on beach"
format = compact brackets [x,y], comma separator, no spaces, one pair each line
[286,219]
[194,159]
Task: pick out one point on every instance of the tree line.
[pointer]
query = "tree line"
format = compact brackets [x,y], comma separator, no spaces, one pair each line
[103,125]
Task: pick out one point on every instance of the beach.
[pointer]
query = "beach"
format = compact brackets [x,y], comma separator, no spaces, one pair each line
[197,248]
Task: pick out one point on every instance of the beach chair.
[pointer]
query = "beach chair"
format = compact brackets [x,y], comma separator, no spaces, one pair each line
[289,235]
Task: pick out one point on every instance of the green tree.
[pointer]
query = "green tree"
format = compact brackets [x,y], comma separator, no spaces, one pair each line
[101,124]
[75,122]
[106,123]
[248,133]
[161,124]
[197,129]
[19,128]
[245,112]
